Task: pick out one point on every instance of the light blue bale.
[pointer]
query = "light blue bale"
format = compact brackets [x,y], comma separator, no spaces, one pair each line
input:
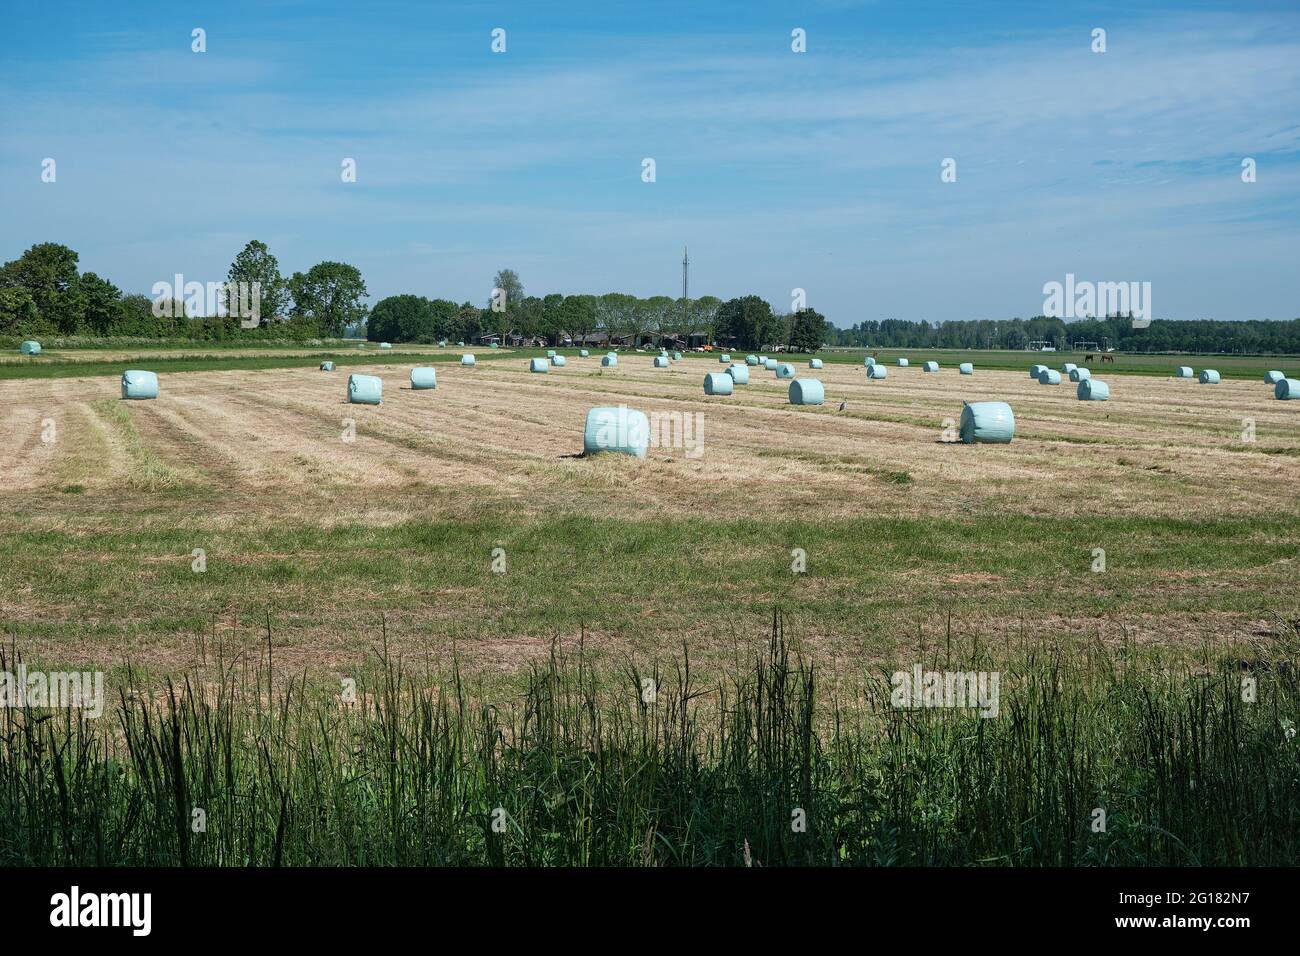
[1184,371]
[770,364]
[550,353]
[724,358]
[869,361]
[1287,390]
[1209,376]
[1080,374]
[621,430]
[931,366]
[1272,378]
[442,343]
[30,347]
[987,423]
[1068,367]
[718,383]
[138,384]
[751,359]
[814,363]
[903,363]
[677,356]
[559,361]
[609,361]
[583,353]
[1036,370]
[538,365]
[385,345]
[966,368]
[1093,390]
[877,371]
[467,360]
[762,360]
[807,391]
[661,361]
[492,345]
[1049,376]
[423,377]
[785,370]
[365,390]
[739,373]
[327,366]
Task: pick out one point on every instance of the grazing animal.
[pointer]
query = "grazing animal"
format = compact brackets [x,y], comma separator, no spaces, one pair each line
[1088,357]
[1108,358]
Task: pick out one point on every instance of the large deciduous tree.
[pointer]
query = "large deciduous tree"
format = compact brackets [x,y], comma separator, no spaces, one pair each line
[255,264]
[329,297]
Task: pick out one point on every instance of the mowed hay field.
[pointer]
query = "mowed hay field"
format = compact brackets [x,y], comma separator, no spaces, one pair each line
[910,540]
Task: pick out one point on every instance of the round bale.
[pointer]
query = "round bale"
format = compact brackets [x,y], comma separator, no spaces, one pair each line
[770,364]
[327,366]
[1184,371]
[1272,378]
[966,368]
[1036,370]
[877,371]
[661,361]
[583,353]
[718,383]
[902,363]
[385,345]
[931,366]
[365,390]
[424,377]
[814,363]
[751,359]
[807,391]
[988,423]
[1068,367]
[609,361]
[30,347]
[1080,374]
[1209,376]
[785,370]
[139,385]
[724,358]
[537,365]
[1092,390]
[467,360]
[1287,390]
[869,361]
[550,353]
[1049,376]
[559,361]
[621,430]
[739,373]
[677,356]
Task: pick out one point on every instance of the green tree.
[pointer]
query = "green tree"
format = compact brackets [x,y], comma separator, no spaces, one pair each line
[748,321]
[807,331]
[256,267]
[508,281]
[19,315]
[328,297]
[101,304]
[48,271]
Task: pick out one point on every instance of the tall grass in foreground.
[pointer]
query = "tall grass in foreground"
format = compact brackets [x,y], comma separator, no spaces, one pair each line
[577,771]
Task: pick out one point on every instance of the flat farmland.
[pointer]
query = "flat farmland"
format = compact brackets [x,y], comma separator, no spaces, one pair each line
[339,522]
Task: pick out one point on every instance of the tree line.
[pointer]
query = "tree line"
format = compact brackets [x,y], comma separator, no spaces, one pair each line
[1117,332]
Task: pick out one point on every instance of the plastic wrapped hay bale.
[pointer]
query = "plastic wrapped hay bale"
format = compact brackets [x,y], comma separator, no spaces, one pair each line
[814,363]
[931,366]
[807,391]
[1079,374]
[1049,376]
[30,347]
[677,356]
[751,359]
[365,390]
[622,430]
[987,423]
[1287,390]
[1036,370]
[138,384]
[583,353]
[785,370]
[1068,367]
[724,358]
[1093,390]
[609,361]
[492,346]
[327,366]
[385,345]
[537,365]
[550,353]
[661,361]
[1209,376]
[903,363]
[877,371]
[869,361]
[770,364]
[762,360]
[718,383]
[739,373]
[1184,371]
[423,377]
[467,360]
[1272,378]
[966,368]
[559,361]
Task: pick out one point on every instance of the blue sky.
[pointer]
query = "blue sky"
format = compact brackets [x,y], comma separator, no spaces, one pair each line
[780,170]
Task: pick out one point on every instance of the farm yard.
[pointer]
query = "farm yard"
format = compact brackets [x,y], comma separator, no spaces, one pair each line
[234,551]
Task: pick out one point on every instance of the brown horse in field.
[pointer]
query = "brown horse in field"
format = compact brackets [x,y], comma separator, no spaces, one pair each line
[1088,357]
[1108,358]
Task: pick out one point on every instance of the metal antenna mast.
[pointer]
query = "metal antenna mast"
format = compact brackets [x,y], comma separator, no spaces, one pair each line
[686,266]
